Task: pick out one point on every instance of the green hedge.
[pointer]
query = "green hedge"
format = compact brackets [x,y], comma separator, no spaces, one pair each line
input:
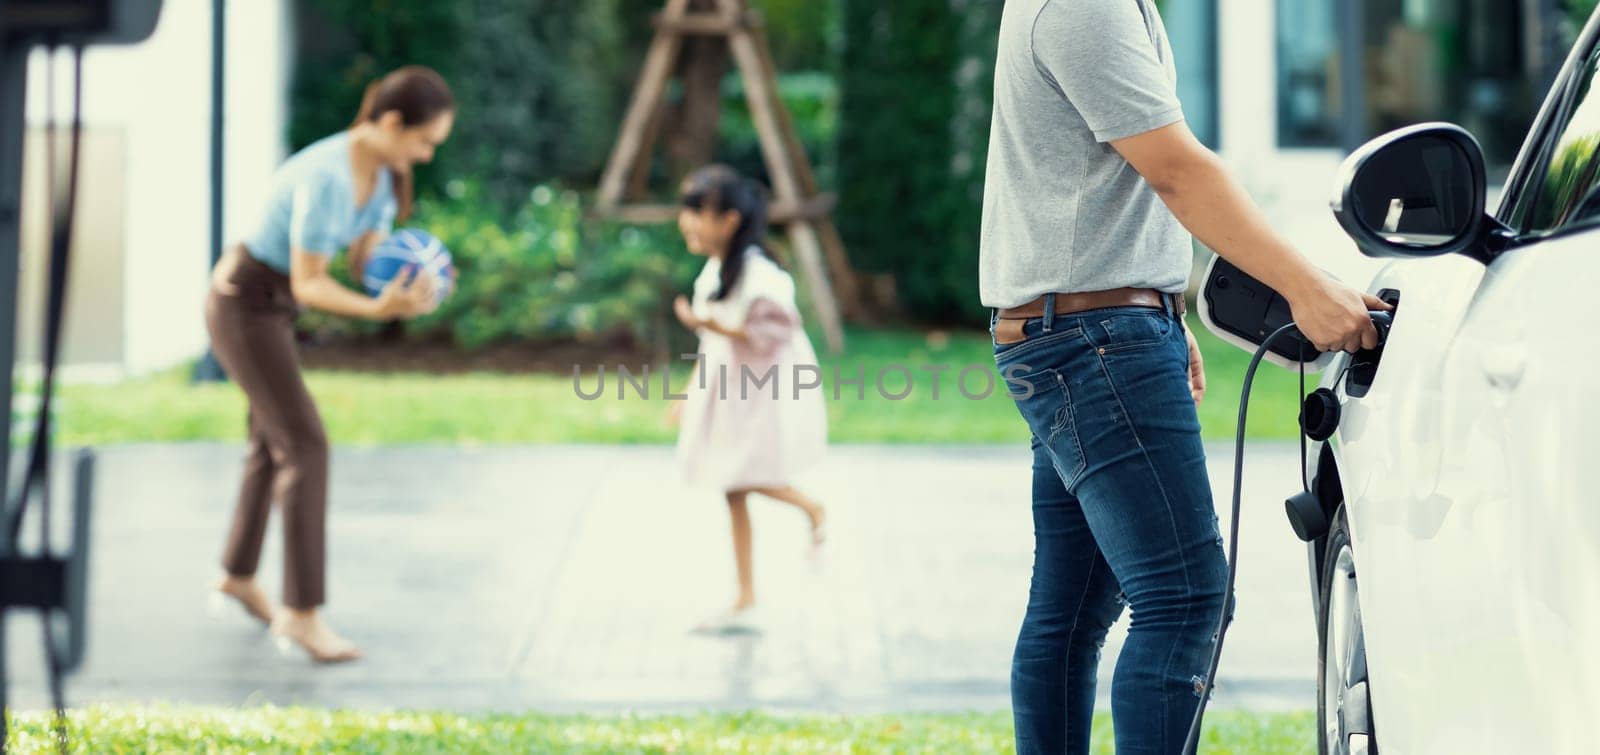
[530,267]
[540,84]
[541,87]
[543,273]
[812,99]
[913,139]
[535,270]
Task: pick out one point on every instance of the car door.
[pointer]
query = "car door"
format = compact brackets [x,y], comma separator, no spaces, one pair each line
[1473,486]
[1520,389]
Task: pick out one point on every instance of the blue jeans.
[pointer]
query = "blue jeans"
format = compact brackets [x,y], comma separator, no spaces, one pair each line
[1122,515]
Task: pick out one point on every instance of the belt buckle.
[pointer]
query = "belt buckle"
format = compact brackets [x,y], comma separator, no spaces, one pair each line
[1173,304]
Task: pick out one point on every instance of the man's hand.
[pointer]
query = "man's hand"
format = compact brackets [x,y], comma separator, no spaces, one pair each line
[1205,197]
[1333,317]
[1197,369]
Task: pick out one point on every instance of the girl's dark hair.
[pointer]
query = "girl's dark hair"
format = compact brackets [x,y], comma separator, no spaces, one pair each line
[720,188]
[419,94]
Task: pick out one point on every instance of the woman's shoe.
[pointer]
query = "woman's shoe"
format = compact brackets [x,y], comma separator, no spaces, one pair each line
[315,638]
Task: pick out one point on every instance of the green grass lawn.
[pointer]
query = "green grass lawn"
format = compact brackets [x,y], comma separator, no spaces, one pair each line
[488,408]
[299,730]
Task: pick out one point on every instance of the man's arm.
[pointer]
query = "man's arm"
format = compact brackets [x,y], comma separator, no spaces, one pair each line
[1208,201]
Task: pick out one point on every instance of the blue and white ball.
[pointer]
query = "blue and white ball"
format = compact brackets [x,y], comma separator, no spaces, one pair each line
[408,247]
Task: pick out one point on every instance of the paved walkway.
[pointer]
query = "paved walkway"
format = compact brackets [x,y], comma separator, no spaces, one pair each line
[567,578]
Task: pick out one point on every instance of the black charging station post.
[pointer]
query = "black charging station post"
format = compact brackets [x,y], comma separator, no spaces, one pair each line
[208,370]
[55,584]
[13,99]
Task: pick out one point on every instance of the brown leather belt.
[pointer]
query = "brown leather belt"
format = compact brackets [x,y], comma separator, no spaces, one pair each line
[1009,328]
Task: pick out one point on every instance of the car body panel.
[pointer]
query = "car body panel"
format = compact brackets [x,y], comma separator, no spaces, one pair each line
[1472,486]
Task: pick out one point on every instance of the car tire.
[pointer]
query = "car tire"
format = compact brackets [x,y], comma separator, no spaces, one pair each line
[1344,699]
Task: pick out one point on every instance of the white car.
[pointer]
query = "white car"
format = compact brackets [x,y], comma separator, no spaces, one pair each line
[1457,564]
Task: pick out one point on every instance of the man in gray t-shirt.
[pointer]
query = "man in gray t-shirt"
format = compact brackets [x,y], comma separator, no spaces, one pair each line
[1094,185]
[1062,210]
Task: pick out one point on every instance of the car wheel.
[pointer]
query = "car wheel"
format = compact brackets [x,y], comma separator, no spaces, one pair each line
[1344,702]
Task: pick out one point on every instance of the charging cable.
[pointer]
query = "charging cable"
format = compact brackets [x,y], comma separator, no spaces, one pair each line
[1382,321]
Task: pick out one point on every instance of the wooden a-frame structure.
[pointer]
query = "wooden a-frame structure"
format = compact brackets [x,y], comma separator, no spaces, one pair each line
[797,204]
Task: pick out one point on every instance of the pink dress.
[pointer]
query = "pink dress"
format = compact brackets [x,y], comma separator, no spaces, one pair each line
[735,433]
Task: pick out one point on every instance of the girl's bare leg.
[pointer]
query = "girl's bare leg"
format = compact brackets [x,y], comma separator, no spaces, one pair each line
[739,511]
[814,511]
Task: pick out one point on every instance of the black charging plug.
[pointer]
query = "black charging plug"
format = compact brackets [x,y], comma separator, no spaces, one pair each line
[1364,363]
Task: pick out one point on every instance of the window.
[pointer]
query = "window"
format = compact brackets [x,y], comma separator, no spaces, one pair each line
[1192,30]
[1308,74]
[1464,61]
[1568,191]
[1349,70]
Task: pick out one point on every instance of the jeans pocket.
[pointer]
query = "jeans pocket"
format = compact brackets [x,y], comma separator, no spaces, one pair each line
[1130,330]
[1035,339]
[1024,381]
[1046,407]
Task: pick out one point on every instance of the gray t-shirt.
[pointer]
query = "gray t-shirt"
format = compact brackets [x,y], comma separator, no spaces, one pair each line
[1062,210]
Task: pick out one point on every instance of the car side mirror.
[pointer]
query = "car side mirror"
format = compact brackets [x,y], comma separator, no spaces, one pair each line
[1416,192]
